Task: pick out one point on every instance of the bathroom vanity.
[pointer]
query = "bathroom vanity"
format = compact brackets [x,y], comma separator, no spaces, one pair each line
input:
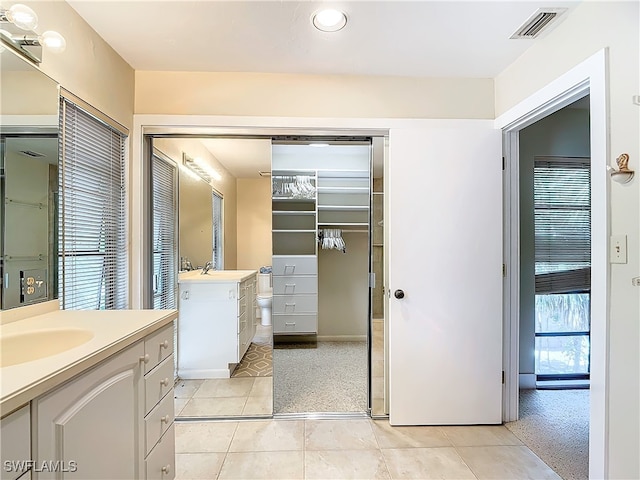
[91,396]
[216,321]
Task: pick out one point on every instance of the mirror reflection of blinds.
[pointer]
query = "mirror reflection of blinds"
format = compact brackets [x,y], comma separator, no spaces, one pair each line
[218,262]
[562,212]
[92,243]
[165,266]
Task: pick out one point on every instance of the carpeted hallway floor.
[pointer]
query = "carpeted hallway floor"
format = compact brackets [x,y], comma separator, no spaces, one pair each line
[554,424]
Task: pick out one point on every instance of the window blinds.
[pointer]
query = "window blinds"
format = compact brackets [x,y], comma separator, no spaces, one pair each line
[163,175]
[218,262]
[93,262]
[562,202]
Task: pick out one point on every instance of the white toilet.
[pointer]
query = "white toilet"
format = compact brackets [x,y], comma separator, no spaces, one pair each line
[264,297]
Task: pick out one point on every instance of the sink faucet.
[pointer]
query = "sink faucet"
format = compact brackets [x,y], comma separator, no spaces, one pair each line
[207,266]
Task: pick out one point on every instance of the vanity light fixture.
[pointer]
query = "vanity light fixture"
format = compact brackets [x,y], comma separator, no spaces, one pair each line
[20,15]
[201,168]
[623,174]
[17,30]
[329,20]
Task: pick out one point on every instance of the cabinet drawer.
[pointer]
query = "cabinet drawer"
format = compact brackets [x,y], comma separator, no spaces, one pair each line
[292,304]
[16,442]
[161,464]
[158,346]
[158,383]
[295,265]
[295,324]
[158,421]
[292,284]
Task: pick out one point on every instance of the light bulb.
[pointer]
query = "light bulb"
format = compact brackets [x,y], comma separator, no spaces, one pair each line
[329,20]
[22,17]
[53,41]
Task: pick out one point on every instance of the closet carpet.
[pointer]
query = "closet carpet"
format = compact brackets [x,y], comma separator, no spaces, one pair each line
[554,424]
[329,378]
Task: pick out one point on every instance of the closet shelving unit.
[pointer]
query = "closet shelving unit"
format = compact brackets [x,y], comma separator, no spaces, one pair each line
[343,199]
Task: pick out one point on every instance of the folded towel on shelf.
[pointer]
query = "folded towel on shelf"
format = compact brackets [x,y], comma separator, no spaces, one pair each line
[266,269]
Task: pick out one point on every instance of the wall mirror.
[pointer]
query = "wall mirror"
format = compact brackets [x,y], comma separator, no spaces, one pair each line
[28,183]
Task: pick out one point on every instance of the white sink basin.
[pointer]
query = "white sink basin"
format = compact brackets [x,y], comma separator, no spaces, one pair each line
[28,346]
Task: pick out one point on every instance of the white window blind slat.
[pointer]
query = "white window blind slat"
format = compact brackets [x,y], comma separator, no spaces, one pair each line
[562,219]
[164,241]
[92,242]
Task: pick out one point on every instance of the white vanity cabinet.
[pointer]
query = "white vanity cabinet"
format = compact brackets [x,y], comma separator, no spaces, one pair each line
[16,444]
[216,321]
[113,421]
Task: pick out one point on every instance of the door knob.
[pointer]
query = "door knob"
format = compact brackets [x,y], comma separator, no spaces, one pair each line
[398,294]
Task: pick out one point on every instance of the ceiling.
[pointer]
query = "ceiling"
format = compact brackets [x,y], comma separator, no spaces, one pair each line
[425,38]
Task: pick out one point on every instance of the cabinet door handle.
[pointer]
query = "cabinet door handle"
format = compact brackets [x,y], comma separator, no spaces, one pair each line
[145,358]
[165,419]
[185,295]
[292,267]
[165,382]
[290,304]
[165,344]
[166,469]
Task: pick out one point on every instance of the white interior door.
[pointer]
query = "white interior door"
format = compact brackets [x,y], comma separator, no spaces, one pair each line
[445,253]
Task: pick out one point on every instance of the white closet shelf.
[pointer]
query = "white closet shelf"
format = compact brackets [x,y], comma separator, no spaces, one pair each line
[345,190]
[292,199]
[344,207]
[360,225]
[343,173]
[293,231]
[294,212]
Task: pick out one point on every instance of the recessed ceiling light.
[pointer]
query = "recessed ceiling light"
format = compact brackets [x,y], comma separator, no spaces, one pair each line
[329,20]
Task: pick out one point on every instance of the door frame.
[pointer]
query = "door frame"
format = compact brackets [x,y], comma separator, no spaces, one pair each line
[588,77]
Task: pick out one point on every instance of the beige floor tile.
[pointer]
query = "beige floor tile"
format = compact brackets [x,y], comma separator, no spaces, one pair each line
[213,407]
[268,436]
[426,463]
[263,465]
[480,435]
[186,388]
[225,387]
[196,466]
[345,464]
[405,437]
[506,462]
[262,387]
[339,435]
[178,405]
[199,437]
[258,406]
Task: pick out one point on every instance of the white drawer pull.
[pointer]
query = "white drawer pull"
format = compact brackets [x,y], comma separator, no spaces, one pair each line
[165,382]
[289,323]
[165,344]
[145,358]
[165,419]
[166,469]
[290,304]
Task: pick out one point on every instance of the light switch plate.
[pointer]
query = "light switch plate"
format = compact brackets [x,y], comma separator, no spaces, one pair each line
[618,249]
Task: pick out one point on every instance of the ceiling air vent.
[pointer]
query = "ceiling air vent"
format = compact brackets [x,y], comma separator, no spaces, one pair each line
[540,20]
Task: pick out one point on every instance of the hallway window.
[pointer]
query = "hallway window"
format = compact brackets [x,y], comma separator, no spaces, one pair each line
[562,202]
[93,259]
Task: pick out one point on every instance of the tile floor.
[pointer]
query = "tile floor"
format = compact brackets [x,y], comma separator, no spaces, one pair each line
[350,449]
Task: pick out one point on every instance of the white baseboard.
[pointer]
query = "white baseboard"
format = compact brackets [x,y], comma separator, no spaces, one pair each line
[527,381]
[341,338]
[199,374]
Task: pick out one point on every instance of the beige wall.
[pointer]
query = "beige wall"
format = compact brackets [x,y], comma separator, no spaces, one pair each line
[254,223]
[195,204]
[590,28]
[27,93]
[89,67]
[208,93]
[343,288]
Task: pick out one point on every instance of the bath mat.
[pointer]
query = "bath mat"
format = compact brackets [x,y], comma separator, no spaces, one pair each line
[257,362]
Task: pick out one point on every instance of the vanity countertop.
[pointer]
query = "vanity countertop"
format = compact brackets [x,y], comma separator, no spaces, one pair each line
[112,331]
[213,276]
